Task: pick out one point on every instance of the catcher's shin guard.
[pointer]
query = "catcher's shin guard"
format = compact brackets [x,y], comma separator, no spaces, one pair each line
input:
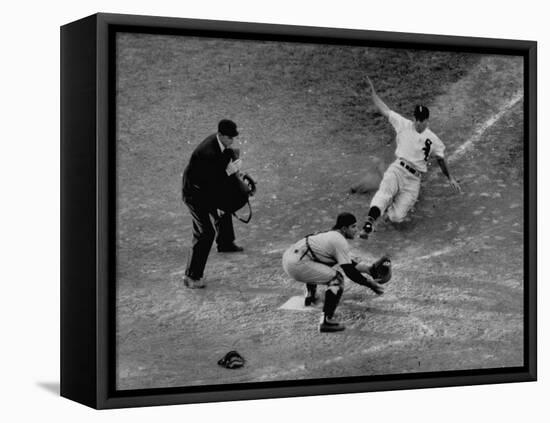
[332,298]
[332,295]
[331,301]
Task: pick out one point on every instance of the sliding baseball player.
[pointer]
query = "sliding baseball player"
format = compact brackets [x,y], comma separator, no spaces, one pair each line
[400,184]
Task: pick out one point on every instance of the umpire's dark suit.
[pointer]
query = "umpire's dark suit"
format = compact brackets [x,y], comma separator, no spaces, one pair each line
[203,179]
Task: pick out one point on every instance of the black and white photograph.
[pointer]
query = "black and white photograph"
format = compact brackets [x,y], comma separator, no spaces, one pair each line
[279,211]
[384,189]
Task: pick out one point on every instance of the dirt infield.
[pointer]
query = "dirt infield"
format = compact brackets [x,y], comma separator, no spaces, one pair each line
[307,127]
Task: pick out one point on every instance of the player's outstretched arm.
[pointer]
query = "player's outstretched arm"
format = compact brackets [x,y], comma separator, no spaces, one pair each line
[352,273]
[362,266]
[452,181]
[380,105]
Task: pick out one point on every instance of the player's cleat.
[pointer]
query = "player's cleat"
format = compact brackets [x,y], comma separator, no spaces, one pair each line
[330,325]
[191,283]
[368,228]
[230,248]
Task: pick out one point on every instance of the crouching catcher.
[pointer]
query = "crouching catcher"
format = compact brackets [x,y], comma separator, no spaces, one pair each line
[313,261]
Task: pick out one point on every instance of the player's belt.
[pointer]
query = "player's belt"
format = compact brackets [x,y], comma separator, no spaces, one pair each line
[410,168]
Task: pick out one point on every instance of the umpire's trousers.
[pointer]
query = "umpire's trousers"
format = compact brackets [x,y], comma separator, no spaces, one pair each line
[206,223]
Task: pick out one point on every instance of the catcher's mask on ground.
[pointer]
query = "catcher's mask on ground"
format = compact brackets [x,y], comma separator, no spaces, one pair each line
[231,360]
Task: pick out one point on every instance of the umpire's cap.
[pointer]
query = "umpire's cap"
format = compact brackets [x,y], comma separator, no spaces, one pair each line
[421,113]
[344,219]
[228,128]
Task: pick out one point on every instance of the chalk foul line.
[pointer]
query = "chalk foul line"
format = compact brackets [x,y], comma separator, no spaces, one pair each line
[486,125]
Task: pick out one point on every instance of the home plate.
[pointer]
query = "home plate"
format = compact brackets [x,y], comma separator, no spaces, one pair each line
[297,304]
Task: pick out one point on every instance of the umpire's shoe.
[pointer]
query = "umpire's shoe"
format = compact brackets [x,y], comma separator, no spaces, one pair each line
[330,325]
[191,283]
[230,248]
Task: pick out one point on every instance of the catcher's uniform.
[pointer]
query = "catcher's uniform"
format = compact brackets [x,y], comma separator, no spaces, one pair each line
[400,185]
[313,258]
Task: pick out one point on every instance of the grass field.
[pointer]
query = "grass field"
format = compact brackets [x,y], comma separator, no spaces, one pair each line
[308,130]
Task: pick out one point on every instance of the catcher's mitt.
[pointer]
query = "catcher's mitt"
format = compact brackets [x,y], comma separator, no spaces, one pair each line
[380,270]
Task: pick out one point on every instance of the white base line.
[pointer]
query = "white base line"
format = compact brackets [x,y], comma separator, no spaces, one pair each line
[445,250]
[486,125]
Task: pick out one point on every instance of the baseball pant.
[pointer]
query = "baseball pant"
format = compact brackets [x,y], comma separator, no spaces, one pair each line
[305,270]
[205,226]
[398,192]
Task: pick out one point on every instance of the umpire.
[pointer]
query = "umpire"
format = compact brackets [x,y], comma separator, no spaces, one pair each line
[210,165]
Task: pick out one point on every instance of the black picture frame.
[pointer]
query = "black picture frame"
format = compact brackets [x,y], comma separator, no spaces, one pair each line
[88,197]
